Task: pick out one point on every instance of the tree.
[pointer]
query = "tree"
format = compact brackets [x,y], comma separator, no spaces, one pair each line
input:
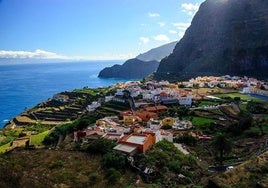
[256,107]
[222,146]
[100,146]
[113,160]
[259,122]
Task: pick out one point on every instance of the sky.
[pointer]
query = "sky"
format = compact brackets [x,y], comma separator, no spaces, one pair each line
[90,29]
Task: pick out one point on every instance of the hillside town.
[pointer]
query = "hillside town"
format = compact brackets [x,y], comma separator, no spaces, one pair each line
[144,123]
[137,119]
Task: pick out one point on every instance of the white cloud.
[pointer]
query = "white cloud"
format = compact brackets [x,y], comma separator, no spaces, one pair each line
[111,57]
[161,37]
[189,8]
[150,14]
[181,25]
[41,54]
[144,40]
[172,31]
[161,24]
[181,34]
[37,54]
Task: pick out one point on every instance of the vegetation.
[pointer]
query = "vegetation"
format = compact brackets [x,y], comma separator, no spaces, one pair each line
[113,160]
[164,164]
[201,122]
[59,169]
[63,130]
[38,138]
[3,148]
[167,162]
[256,107]
[186,139]
[100,146]
[222,146]
[234,96]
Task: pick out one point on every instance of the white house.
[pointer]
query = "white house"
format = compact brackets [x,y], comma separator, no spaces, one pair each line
[93,106]
[108,98]
[246,90]
[154,124]
[181,125]
[186,101]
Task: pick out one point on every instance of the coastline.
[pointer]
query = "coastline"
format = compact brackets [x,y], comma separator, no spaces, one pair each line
[25,85]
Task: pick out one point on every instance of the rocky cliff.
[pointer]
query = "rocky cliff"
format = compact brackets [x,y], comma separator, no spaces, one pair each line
[133,68]
[225,37]
[158,53]
[141,66]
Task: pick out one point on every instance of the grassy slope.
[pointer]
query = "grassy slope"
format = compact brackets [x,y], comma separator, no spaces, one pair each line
[242,97]
[248,174]
[50,168]
[4,147]
[38,138]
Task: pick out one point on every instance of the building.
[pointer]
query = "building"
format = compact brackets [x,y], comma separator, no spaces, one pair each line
[168,121]
[154,124]
[113,136]
[61,98]
[130,144]
[156,109]
[145,115]
[186,101]
[167,101]
[93,106]
[130,119]
[181,125]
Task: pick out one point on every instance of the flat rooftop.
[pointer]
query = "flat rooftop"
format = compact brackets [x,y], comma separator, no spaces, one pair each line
[125,148]
[136,139]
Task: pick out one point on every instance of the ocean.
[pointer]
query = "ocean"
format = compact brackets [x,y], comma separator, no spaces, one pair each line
[25,85]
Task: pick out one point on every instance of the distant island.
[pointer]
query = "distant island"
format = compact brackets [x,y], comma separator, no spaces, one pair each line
[139,67]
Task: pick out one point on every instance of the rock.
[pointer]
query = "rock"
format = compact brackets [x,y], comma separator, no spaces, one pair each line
[225,37]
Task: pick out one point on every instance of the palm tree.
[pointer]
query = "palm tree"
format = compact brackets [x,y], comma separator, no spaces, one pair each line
[222,146]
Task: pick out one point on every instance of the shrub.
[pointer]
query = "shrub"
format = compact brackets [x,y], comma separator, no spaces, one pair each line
[186,139]
[251,133]
[94,177]
[174,166]
[56,164]
[22,134]
[100,146]
[113,175]
[113,160]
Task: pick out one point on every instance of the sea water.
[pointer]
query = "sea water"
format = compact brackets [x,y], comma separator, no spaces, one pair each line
[25,85]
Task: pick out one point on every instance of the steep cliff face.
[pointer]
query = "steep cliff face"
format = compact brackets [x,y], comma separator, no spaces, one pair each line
[225,37]
[158,53]
[133,68]
[141,66]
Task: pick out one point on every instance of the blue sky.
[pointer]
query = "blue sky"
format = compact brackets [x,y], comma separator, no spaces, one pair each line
[90,29]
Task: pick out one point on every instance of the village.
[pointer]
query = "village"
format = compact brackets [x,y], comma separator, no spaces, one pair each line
[149,119]
[163,131]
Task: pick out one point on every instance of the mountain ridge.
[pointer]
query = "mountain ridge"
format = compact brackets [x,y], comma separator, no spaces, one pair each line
[139,67]
[225,37]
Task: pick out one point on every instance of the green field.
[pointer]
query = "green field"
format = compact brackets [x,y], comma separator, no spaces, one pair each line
[38,138]
[242,96]
[257,129]
[208,103]
[4,147]
[200,122]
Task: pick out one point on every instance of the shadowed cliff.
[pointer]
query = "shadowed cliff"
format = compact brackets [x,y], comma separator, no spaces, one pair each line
[225,37]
